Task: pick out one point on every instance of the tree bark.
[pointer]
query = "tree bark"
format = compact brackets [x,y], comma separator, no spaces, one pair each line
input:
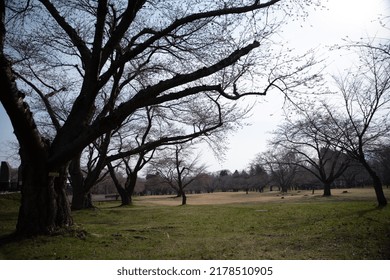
[130,185]
[380,196]
[44,205]
[183,198]
[125,198]
[327,191]
[81,198]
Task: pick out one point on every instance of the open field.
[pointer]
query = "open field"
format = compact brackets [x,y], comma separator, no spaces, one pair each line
[218,198]
[216,226]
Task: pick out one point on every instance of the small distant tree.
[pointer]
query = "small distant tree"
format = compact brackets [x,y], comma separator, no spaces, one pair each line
[281,166]
[224,180]
[131,170]
[206,182]
[155,185]
[177,169]
[258,177]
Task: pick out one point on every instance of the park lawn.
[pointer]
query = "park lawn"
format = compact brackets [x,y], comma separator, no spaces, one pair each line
[323,228]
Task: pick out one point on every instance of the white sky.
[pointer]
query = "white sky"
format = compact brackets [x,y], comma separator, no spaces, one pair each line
[322,28]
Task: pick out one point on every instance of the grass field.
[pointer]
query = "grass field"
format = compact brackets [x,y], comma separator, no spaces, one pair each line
[298,225]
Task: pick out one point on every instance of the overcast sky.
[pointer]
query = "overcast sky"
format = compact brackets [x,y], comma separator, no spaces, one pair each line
[322,28]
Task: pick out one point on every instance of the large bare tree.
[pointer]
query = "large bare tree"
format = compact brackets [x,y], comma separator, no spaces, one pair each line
[101,61]
[361,124]
[316,150]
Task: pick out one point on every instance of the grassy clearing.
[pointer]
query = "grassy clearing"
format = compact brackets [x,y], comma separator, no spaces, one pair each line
[299,226]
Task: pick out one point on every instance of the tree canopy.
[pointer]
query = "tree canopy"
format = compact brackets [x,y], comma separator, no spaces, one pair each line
[73,71]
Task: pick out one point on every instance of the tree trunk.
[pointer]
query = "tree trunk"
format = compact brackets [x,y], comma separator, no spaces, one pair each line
[183,198]
[82,185]
[125,198]
[81,198]
[327,191]
[44,205]
[130,185]
[380,196]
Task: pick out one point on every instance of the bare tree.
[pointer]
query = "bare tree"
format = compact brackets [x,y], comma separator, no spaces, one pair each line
[155,185]
[258,177]
[131,172]
[362,123]
[152,131]
[315,152]
[103,60]
[205,182]
[84,176]
[177,169]
[281,166]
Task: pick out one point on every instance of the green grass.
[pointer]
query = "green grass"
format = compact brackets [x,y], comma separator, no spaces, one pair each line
[320,229]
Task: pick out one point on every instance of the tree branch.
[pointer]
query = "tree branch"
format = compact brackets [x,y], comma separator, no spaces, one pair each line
[74,37]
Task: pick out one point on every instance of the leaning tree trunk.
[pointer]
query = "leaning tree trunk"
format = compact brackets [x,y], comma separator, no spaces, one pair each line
[44,205]
[120,189]
[130,185]
[380,196]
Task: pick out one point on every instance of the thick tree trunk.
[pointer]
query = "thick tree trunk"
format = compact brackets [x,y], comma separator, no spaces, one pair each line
[44,205]
[327,191]
[81,199]
[125,198]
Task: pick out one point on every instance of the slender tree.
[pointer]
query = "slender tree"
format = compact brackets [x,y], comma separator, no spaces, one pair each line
[176,168]
[361,124]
